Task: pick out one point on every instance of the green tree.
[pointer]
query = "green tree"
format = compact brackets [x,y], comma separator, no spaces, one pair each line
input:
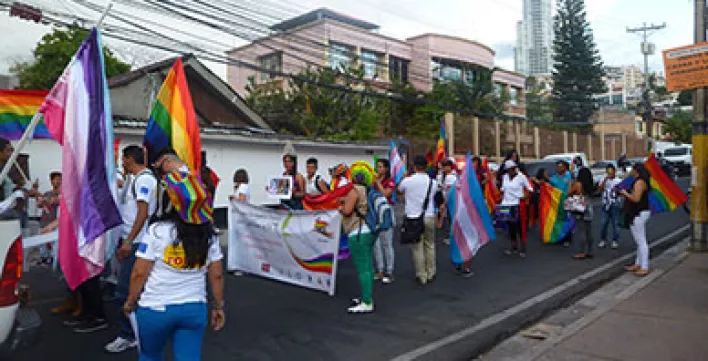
[538,107]
[685,98]
[53,53]
[679,127]
[578,69]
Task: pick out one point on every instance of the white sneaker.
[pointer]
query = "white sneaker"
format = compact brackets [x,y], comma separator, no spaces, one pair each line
[388,279]
[602,244]
[361,308]
[615,245]
[120,344]
[237,273]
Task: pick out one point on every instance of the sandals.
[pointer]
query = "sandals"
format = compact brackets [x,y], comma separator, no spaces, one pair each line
[641,272]
[631,268]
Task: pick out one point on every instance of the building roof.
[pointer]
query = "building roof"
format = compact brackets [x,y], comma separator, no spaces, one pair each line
[319,14]
[473,42]
[200,76]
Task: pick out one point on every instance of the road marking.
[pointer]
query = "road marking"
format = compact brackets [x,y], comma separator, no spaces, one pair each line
[503,315]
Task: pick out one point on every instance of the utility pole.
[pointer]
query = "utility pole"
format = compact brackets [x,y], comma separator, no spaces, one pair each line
[699,176]
[647,49]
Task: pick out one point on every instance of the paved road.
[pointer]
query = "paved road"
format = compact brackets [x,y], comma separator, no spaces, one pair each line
[273,321]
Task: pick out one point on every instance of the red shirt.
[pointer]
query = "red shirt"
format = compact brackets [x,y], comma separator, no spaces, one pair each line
[387,184]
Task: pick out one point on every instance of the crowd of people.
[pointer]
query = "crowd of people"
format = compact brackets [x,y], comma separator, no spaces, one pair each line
[168,245]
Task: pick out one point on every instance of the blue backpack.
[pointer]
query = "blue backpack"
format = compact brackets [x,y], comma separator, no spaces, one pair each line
[379,215]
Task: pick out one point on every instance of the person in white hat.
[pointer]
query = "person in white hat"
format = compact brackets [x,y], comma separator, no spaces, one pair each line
[513,184]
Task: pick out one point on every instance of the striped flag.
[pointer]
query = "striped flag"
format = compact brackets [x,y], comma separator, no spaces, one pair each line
[665,195]
[173,123]
[554,220]
[17,107]
[77,112]
[398,168]
[440,149]
[472,225]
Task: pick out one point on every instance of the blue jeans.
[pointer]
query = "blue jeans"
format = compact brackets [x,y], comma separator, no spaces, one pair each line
[610,217]
[122,291]
[183,324]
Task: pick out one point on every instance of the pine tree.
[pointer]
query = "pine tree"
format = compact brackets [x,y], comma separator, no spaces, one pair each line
[578,71]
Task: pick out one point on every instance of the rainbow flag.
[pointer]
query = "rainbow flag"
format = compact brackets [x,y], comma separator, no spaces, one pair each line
[17,107]
[78,114]
[432,168]
[173,123]
[440,149]
[326,201]
[491,193]
[665,195]
[472,225]
[554,220]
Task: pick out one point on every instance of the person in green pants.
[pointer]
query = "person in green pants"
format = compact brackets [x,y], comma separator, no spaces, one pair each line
[361,239]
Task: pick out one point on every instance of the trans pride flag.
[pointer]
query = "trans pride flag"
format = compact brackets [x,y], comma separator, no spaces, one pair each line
[665,195]
[77,112]
[554,220]
[398,168]
[173,123]
[17,107]
[472,225]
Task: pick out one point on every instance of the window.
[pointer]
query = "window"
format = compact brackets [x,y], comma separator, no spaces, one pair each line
[272,62]
[340,56]
[445,70]
[370,62]
[513,96]
[469,77]
[498,89]
[398,69]
[673,152]
[640,127]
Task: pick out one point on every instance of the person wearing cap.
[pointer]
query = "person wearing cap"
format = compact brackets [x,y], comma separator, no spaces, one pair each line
[168,284]
[562,180]
[513,184]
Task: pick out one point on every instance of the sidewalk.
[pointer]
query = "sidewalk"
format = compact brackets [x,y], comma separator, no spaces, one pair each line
[660,317]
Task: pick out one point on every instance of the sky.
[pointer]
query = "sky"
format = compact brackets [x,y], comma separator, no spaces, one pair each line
[491,22]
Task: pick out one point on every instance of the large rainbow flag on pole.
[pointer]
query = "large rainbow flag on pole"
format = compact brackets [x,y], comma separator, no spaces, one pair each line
[472,225]
[665,195]
[554,220]
[173,123]
[17,107]
[77,112]
[440,149]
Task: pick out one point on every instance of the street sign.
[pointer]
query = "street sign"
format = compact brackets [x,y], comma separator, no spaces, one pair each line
[686,67]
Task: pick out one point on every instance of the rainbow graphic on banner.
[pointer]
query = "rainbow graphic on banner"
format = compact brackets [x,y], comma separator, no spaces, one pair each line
[319,264]
[554,220]
[440,148]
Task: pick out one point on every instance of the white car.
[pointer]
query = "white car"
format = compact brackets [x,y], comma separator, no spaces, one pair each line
[680,157]
[19,324]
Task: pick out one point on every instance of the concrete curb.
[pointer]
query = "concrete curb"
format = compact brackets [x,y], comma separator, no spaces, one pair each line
[472,341]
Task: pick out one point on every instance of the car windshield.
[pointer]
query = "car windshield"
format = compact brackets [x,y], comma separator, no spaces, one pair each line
[600,165]
[671,152]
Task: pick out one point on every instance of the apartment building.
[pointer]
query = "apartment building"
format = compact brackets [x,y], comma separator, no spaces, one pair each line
[534,39]
[327,38]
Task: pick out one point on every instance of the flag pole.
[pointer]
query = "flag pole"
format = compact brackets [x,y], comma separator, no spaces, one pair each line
[35,120]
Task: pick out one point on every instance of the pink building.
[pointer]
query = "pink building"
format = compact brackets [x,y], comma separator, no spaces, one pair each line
[327,38]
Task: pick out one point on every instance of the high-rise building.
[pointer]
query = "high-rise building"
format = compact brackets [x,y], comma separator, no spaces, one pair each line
[534,39]
[633,77]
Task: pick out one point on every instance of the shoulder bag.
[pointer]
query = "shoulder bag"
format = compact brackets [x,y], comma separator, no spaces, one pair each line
[413,228]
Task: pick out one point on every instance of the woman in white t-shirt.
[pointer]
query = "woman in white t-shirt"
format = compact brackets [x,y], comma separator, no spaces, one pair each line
[513,184]
[242,192]
[168,288]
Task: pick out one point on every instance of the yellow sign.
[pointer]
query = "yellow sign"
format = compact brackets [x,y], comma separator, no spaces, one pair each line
[686,67]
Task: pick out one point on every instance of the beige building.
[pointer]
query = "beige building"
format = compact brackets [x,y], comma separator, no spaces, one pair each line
[633,77]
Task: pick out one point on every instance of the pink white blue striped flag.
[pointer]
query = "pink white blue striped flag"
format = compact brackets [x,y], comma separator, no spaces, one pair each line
[77,112]
[472,225]
[398,168]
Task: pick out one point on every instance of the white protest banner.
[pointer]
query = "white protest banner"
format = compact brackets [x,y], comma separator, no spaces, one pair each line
[299,247]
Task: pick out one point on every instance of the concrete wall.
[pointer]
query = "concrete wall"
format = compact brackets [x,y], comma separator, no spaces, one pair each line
[225,154]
